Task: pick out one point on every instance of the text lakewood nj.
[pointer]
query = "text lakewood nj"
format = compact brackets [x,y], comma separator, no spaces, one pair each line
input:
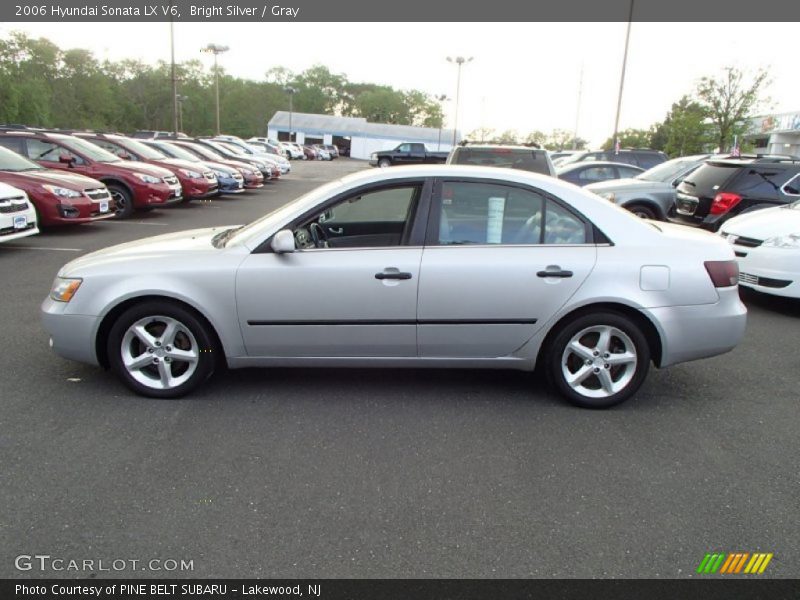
[241,11]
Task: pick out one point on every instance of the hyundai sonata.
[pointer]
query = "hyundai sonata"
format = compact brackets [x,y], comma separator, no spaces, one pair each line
[427,266]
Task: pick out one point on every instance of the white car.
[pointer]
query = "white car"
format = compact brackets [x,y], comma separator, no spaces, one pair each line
[425,266]
[294,151]
[767,246]
[17,215]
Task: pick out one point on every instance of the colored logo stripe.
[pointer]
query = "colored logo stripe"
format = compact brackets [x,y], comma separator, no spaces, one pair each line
[734,563]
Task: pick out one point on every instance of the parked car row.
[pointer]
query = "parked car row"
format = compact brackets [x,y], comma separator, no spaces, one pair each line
[59,177]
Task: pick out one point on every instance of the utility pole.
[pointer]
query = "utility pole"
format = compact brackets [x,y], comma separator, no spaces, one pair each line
[216,50]
[622,80]
[174,75]
[578,111]
[291,91]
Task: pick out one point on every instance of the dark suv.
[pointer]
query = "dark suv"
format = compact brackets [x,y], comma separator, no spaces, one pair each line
[640,157]
[721,189]
[526,158]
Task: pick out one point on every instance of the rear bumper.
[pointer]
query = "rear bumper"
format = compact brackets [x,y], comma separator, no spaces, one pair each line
[700,331]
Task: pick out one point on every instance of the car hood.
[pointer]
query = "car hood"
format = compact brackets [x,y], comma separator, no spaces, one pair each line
[192,242]
[8,191]
[141,167]
[766,223]
[217,166]
[183,164]
[625,185]
[58,178]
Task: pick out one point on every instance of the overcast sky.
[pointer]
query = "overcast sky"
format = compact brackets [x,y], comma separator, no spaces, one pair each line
[524,76]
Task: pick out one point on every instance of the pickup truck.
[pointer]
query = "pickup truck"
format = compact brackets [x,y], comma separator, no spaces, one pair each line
[407,153]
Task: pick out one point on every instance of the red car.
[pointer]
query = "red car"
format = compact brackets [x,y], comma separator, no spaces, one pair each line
[59,198]
[197,182]
[132,185]
[252,176]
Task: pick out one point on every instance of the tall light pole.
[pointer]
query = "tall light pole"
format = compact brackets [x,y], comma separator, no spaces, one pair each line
[174,76]
[459,61]
[622,80]
[216,50]
[291,91]
[578,111]
[441,98]
[181,100]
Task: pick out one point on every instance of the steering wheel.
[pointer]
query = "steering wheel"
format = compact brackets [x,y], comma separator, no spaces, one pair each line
[318,234]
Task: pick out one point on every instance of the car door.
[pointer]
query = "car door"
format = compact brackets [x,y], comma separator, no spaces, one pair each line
[357,300]
[499,261]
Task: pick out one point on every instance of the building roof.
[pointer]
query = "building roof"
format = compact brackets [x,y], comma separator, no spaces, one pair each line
[356,126]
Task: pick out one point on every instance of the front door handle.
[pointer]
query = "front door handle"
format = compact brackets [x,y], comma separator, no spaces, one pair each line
[393,275]
[554,273]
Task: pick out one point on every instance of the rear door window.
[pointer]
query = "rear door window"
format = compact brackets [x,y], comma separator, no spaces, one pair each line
[760,183]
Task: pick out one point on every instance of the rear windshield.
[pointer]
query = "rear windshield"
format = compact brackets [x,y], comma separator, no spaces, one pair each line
[513,158]
[708,178]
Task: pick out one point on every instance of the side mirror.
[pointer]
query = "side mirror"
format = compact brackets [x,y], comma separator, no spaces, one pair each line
[125,156]
[66,159]
[283,242]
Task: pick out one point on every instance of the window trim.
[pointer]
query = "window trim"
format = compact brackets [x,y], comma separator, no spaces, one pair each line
[783,187]
[432,233]
[413,234]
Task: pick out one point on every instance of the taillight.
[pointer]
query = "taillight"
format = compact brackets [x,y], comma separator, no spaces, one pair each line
[723,273]
[723,202]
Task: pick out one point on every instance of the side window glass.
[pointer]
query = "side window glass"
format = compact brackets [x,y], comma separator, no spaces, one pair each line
[383,206]
[40,150]
[113,148]
[792,187]
[562,227]
[404,148]
[12,143]
[481,213]
[596,174]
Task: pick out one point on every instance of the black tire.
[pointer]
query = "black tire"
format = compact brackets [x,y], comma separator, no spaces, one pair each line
[632,375]
[384,162]
[123,199]
[205,348]
[642,211]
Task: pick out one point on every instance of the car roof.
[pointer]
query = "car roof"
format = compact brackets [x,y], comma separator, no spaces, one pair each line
[596,163]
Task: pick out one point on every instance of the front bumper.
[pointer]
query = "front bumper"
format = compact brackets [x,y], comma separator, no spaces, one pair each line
[700,331]
[773,271]
[71,336]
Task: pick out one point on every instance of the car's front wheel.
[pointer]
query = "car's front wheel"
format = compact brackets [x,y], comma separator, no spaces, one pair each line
[123,199]
[161,349]
[598,360]
[384,162]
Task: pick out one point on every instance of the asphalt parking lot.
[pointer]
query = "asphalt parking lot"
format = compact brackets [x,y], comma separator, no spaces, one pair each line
[386,473]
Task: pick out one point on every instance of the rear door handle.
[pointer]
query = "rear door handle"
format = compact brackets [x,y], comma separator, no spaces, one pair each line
[392,275]
[554,273]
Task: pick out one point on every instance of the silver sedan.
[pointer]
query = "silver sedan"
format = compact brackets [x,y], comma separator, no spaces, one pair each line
[429,266]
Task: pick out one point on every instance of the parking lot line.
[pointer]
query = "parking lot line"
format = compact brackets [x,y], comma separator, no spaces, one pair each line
[43,248]
[135,223]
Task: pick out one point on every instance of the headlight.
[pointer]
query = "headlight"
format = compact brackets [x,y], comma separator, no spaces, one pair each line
[373,156]
[147,178]
[191,174]
[64,289]
[62,192]
[247,171]
[222,174]
[791,241]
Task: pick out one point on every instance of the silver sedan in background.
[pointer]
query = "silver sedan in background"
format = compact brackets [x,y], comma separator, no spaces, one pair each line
[427,266]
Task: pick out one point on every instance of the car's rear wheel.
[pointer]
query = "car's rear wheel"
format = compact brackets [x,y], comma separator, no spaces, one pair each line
[161,350]
[123,199]
[642,211]
[598,360]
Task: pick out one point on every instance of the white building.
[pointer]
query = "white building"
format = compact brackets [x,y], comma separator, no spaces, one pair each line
[361,137]
[776,134]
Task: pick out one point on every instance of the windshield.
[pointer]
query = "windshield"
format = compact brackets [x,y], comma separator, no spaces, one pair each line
[667,171]
[233,148]
[284,212]
[89,150]
[177,152]
[11,161]
[219,147]
[144,150]
[203,151]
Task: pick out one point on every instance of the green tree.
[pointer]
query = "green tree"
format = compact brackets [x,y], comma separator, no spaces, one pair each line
[730,99]
[481,134]
[684,131]
[631,138]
